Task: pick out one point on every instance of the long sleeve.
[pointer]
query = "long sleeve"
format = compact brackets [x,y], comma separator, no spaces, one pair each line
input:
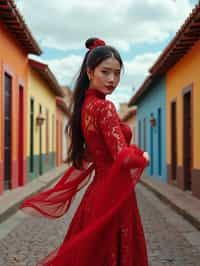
[113,136]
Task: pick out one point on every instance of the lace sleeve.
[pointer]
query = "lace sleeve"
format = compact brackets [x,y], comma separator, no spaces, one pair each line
[114,138]
[110,127]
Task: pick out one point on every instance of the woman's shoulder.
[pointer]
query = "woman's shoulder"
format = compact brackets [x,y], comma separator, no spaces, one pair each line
[98,104]
[105,104]
[100,107]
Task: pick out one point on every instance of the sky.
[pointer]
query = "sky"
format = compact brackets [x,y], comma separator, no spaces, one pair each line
[140,30]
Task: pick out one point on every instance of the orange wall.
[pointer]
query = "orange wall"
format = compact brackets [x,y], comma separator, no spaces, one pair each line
[183,74]
[15,58]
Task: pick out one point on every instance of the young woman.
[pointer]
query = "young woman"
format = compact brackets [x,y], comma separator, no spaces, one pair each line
[106,229]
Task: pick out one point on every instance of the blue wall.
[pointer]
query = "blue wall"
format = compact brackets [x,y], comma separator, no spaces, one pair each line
[153,102]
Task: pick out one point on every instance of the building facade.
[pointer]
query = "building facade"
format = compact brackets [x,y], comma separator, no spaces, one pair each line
[43,89]
[183,126]
[16,42]
[180,63]
[173,84]
[151,122]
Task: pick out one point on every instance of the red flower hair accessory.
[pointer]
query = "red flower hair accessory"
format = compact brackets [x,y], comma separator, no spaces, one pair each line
[97,43]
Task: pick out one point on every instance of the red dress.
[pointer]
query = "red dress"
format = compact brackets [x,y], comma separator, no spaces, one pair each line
[106,229]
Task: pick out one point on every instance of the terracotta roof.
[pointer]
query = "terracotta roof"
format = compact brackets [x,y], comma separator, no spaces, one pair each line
[62,104]
[48,76]
[15,23]
[188,34]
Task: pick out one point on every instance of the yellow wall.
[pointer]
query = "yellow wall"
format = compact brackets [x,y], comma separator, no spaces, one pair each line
[42,94]
[183,74]
[15,58]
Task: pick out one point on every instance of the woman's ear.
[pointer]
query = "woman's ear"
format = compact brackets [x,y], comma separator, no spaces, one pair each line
[89,73]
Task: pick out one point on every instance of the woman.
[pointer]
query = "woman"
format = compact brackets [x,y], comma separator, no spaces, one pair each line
[106,229]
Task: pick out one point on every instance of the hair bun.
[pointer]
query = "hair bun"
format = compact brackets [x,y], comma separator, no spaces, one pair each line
[94,42]
[90,42]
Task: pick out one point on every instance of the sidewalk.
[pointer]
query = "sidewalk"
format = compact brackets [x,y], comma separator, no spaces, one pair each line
[182,201]
[11,199]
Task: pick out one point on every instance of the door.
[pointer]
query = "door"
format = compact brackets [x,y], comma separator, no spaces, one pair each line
[173,141]
[31,165]
[21,135]
[61,142]
[47,139]
[139,134]
[57,143]
[187,137]
[151,150]
[40,144]
[159,143]
[7,131]
[145,133]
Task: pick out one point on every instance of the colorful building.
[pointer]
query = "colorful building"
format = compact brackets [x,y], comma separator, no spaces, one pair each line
[16,42]
[180,63]
[43,89]
[151,121]
[168,99]
[62,115]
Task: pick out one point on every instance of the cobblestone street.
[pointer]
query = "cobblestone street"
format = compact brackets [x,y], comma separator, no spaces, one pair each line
[171,240]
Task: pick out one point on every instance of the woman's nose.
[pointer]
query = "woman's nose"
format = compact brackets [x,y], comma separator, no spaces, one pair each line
[111,77]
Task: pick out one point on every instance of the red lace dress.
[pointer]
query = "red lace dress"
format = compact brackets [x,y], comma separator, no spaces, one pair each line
[106,229]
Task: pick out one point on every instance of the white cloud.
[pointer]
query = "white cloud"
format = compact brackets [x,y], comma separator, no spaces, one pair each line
[135,72]
[66,25]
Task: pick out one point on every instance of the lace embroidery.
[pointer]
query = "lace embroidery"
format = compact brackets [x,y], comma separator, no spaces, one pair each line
[110,127]
[119,238]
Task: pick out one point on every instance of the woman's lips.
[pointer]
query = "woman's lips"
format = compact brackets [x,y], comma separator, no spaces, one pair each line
[109,87]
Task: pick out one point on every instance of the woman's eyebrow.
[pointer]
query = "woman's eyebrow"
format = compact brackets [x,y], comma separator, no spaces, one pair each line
[109,68]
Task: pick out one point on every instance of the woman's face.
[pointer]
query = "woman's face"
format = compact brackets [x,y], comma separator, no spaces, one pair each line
[106,76]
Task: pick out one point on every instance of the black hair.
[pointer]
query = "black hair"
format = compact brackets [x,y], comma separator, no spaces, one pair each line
[91,60]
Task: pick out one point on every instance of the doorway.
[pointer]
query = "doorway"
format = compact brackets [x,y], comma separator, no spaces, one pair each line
[173,141]
[7,131]
[159,142]
[21,136]
[187,139]
[40,144]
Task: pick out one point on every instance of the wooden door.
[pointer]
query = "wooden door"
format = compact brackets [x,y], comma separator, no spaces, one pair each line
[7,131]
[21,136]
[187,138]
[173,141]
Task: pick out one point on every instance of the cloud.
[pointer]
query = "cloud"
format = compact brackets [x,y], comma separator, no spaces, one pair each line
[65,25]
[136,70]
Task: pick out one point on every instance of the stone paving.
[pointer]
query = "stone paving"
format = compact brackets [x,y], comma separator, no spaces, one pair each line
[171,240]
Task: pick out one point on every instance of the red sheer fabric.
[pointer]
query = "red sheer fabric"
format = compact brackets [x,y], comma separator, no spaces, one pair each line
[106,229]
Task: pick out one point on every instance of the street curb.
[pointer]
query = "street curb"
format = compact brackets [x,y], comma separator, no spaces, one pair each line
[195,222]
[15,207]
